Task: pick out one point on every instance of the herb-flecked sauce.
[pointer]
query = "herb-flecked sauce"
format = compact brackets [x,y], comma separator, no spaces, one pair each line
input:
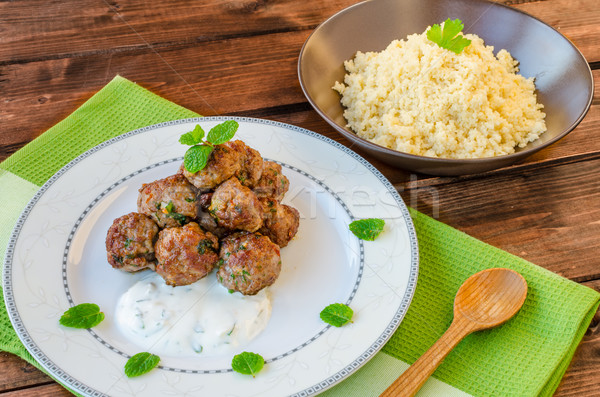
[200,318]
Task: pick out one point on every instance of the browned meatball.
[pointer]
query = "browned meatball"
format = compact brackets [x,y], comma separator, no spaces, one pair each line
[203,200]
[130,242]
[236,207]
[280,221]
[171,201]
[252,167]
[249,262]
[185,254]
[208,223]
[224,162]
[272,183]
[205,220]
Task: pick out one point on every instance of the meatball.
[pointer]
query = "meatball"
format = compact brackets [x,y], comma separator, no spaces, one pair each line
[205,220]
[280,222]
[224,162]
[130,242]
[171,201]
[208,223]
[203,200]
[185,254]
[236,207]
[252,167]
[272,183]
[249,262]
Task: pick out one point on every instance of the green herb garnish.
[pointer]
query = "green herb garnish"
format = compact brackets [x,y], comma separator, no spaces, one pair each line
[179,218]
[193,137]
[84,315]
[140,364]
[169,211]
[196,157]
[448,37]
[223,132]
[337,314]
[367,229]
[169,207]
[247,363]
[204,246]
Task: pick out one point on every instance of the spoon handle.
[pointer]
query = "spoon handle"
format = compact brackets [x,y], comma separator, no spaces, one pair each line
[417,374]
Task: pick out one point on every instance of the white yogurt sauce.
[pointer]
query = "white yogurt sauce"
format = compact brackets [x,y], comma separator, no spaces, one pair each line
[201,318]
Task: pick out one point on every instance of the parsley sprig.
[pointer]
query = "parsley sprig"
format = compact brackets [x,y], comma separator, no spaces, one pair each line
[448,37]
[196,157]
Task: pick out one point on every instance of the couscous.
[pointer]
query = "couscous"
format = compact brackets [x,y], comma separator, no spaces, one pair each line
[419,98]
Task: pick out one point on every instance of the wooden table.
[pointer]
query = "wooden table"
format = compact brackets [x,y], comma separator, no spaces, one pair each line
[239,57]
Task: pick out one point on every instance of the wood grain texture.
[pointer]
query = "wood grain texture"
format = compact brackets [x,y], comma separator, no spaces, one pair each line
[411,380]
[16,373]
[45,390]
[113,26]
[485,300]
[581,377]
[215,78]
[238,57]
[224,77]
[36,29]
[549,216]
[578,20]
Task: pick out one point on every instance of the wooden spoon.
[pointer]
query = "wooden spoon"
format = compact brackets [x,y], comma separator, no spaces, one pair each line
[485,300]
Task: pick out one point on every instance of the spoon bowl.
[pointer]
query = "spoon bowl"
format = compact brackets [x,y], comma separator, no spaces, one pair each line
[485,300]
[490,297]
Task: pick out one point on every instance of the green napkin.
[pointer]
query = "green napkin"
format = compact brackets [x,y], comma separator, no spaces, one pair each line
[525,357]
[529,354]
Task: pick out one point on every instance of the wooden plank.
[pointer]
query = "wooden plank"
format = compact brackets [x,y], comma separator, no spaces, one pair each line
[549,216]
[578,20]
[218,78]
[583,375]
[49,390]
[37,29]
[16,373]
[254,75]
[116,26]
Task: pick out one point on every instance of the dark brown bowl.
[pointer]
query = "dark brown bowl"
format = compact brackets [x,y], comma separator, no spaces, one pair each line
[562,75]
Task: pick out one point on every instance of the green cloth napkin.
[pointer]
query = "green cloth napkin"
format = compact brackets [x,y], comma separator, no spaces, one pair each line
[527,356]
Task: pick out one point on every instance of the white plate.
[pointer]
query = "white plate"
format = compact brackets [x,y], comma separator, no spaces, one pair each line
[56,258]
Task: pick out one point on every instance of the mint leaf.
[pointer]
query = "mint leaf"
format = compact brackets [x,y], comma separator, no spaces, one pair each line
[84,315]
[447,37]
[367,229]
[337,314]
[140,364]
[196,157]
[247,363]
[223,132]
[193,137]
